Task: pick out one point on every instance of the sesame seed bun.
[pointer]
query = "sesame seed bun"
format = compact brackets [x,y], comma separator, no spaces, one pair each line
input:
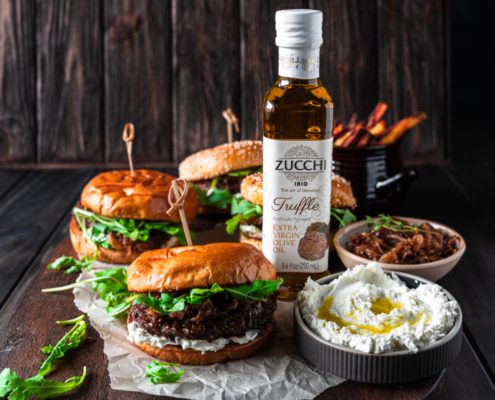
[231,351]
[342,195]
[144,196]
[219,160]
[189,267]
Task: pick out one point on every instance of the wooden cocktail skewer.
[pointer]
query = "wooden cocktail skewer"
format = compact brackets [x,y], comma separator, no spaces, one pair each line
[178,190]
[128,137]
[232,120]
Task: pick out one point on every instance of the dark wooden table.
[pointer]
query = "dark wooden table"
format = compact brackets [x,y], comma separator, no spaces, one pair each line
[34,213]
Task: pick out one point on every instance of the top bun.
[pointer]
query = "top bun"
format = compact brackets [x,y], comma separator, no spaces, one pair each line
[188,267]
[342,196]
[219,160]
[117,194]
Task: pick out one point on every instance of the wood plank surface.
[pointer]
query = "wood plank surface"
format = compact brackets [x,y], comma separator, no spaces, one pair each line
[29,215]
[259,58]
[206,72]
[473,279]
[348,62]
[413,71]
[17,81]
[138,87]
[9,178]
[69,81]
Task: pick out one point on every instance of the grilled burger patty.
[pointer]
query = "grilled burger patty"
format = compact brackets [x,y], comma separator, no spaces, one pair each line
[230,183]
[117,241]
[210,320]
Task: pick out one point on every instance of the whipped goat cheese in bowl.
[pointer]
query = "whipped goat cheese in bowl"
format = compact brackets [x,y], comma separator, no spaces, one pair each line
[373,326]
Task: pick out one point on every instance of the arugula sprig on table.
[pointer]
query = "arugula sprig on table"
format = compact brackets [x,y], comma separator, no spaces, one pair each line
[15,388]
[112,286]
[343,216]
[241,210]
[130,228]
[163,372]
[71,264]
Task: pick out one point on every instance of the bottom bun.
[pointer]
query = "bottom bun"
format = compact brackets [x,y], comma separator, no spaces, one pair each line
[125,255]
[247,239]
[232,351]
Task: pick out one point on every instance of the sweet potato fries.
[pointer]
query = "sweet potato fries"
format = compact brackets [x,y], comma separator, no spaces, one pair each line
[374,130]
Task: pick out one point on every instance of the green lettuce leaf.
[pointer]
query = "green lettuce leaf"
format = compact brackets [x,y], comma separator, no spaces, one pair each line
[343,216]
[241,210]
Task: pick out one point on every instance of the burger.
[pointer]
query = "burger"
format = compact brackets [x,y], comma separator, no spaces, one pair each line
[247,210]
[119,216]
[216,173]
[202,304]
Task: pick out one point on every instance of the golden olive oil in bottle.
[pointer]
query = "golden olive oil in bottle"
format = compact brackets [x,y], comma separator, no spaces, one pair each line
[297,154]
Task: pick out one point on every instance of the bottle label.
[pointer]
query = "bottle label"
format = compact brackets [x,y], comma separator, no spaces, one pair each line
[296,203]
[300,63]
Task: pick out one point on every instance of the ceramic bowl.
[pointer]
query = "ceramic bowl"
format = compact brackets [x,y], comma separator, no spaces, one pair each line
[432,271]
[385,368]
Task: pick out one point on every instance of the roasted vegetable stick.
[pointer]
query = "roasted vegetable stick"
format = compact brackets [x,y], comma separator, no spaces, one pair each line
[377,114]
[354,137]
[365,140]
[378,129]
[338,130]
[396,130]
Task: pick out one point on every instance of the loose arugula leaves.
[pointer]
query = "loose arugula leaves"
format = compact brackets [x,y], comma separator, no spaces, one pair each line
[160,372]
[241,210]
[130,228]
[73,264]
[69,341]
[343,216]
[15,388]
[245,172]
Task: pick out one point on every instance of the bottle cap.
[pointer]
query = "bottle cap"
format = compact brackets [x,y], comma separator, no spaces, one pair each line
[299,28]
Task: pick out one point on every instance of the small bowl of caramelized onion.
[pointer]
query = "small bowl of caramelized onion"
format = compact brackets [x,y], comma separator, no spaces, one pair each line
[415,246]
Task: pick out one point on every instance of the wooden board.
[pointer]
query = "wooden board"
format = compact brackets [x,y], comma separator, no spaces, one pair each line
[17,81]
[69,85]
[348,62]
[8,179]
[138,79]
[205,72]
[413,71]
[29,216]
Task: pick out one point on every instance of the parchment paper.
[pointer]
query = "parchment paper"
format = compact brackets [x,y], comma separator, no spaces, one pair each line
[277,372]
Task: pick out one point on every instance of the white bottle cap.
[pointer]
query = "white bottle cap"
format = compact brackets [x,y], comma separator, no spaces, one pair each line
[299,28]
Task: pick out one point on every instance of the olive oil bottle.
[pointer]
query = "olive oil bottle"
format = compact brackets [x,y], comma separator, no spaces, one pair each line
[297,154]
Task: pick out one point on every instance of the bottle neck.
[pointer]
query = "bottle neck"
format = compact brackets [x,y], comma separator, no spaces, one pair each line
[299,63]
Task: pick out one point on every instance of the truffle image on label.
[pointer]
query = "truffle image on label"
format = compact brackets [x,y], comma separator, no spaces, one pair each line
[314,244]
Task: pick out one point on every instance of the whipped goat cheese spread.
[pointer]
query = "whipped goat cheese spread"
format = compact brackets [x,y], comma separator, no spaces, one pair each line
[371,311]
[139,335]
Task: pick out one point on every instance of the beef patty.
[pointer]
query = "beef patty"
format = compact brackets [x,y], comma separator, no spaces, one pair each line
[230,183]
[214,318]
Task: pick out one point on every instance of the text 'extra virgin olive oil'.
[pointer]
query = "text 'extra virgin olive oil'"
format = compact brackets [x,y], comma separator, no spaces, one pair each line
[297,154]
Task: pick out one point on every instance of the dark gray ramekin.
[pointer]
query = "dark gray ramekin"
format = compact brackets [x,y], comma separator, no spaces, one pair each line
[385,368]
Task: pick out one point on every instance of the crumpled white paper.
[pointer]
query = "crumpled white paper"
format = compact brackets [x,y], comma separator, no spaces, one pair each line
[276,372]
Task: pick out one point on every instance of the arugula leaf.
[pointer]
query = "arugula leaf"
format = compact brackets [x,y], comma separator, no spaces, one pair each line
[343,216]
[69,341]
[219,198]
[15,388]
[245,172]
[160,372]
[74,264]
[135,230]
[241,210]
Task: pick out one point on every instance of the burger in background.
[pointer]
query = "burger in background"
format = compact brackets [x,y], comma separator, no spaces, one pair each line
[202,304]
[120,216]
[216,173]
[247,211]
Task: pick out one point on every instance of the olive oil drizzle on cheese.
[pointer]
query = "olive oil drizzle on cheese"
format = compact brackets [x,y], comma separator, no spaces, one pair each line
[381,305]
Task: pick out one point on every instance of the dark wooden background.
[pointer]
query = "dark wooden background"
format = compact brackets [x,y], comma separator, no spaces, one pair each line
[72,72]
